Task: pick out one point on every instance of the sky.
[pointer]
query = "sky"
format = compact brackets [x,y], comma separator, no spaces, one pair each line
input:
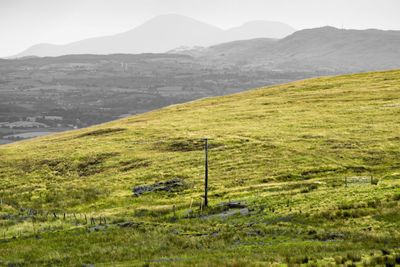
[24,23]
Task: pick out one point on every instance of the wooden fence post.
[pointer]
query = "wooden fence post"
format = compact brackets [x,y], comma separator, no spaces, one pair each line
[205,172]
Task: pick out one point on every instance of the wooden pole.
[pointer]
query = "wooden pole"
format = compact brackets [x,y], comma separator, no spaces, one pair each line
[206,173]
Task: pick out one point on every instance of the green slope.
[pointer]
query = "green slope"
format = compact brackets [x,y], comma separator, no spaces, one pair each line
[288,151]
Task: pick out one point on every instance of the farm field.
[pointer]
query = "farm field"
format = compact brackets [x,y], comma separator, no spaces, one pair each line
[304,173]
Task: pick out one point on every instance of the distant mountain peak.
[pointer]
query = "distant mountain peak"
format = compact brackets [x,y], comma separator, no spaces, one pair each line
[174,19]
[163,33]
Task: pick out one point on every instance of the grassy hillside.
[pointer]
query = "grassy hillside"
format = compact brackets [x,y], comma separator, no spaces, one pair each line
[317,163]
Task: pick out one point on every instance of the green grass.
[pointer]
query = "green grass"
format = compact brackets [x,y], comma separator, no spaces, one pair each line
[301,155]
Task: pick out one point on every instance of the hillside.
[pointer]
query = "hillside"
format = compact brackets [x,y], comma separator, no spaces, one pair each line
[316,162]
[325,48]
[84,90]
[160,34]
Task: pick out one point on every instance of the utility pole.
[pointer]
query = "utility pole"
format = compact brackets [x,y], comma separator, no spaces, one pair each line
[206,172]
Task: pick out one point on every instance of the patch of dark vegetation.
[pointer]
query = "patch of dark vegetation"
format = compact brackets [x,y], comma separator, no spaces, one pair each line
[308,174]
[322,170]
[340,260]
[374,157]
[358,169]
[327,236]
[67,197]
[340,144]
[58,166]
[86,166]
[354,256]
[92,164]
[289,177]
[297,260]
[304,187]
[100,132]
[287,218]
[151,213]
[323,86]
[185,145]
[173,185]
[352,210]
[86,194]
[311,136]
[308,188]
[134,164]
[386,259]
[396,197]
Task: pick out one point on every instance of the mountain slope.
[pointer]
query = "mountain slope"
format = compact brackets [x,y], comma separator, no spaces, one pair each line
[335,48]
[258,29]
[161,34]
[325,48]
[316,161]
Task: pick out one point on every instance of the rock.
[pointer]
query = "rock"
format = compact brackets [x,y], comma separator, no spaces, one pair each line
[234,204]
[129,224]
[138,190]
[244,211]
[168,186]
[96,228]
[228,213]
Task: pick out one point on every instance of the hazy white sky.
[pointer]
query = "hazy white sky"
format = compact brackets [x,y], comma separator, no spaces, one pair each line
[27,22]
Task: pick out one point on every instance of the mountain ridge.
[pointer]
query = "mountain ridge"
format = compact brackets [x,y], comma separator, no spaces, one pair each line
[325,48]
[160,34]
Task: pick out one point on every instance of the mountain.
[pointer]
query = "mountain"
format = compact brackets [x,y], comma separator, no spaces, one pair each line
[325,48]
[301,173]
[341,49]
[258,29]
[161,34]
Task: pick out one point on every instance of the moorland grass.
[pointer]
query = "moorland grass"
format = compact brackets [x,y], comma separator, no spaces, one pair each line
[316,161]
